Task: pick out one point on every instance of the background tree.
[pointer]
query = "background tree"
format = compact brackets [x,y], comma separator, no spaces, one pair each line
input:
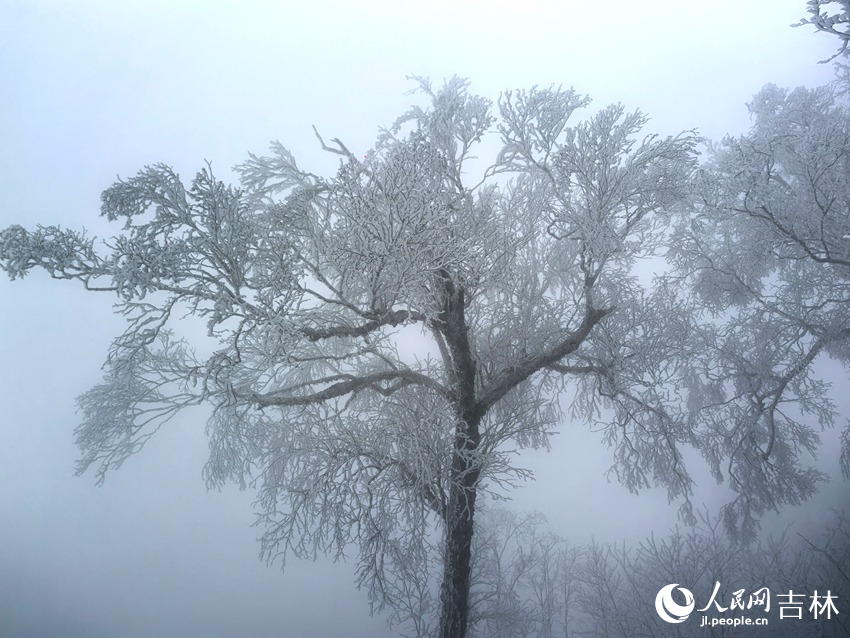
[607,590]
[767,252]
[618,583]
[524,577]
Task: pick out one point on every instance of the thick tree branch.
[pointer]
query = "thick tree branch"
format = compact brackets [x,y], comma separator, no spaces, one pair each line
[350,385]
[395,318]
[510,377]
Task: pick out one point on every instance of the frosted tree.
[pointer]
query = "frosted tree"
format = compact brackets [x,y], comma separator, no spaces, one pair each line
[530,582]
[381,341]
[524,577]
[824,17]
[767,253]
[701,557]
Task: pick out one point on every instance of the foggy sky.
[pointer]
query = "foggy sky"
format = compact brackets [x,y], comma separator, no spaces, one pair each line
[93,90]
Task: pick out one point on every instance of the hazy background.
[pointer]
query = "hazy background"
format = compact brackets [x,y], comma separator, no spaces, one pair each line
[92,90]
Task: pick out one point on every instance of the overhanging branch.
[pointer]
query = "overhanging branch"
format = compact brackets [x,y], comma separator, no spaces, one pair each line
[349,384]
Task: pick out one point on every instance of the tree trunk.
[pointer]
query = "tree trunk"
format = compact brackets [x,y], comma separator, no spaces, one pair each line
[460,509]
[454,591]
